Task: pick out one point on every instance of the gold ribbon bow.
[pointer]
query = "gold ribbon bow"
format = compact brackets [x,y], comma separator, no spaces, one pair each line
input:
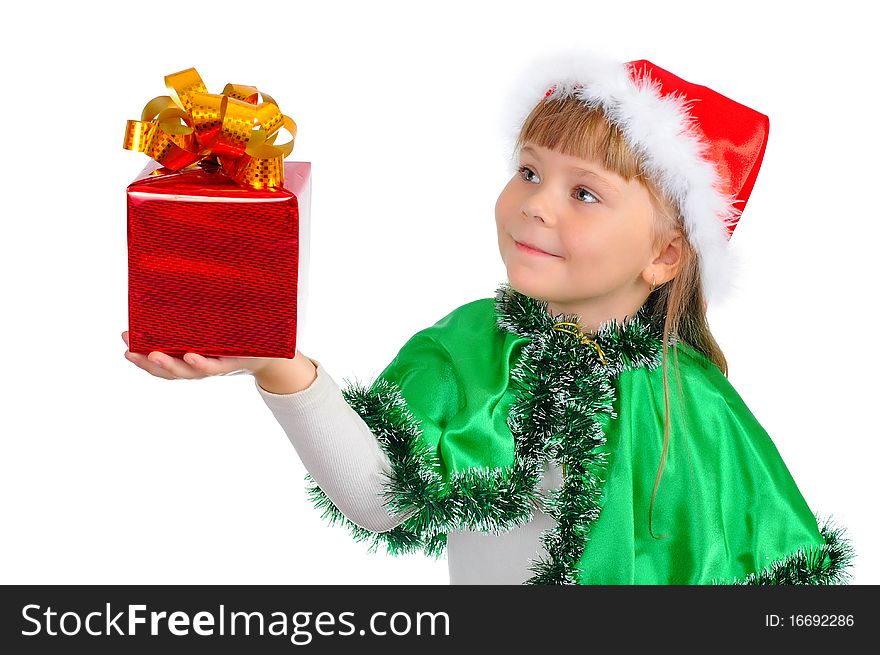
[584,339]
[217,126]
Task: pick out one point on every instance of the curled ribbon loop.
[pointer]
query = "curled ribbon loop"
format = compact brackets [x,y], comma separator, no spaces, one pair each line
[233,128]
[584,339]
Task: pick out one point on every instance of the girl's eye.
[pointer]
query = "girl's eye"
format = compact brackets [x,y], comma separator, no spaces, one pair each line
[524,171]
[589,193]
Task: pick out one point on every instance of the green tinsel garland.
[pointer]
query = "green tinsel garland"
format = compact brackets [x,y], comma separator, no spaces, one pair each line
[560,389]
[489,500]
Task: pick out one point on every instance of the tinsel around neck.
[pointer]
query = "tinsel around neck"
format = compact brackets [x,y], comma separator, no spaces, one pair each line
[629,344]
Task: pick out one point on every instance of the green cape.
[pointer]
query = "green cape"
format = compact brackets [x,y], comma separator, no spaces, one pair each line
[471,408]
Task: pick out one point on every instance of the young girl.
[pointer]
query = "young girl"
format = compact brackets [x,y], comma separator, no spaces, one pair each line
[578,427]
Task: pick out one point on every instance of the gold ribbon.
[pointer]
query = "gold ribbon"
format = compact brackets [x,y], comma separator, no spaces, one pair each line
[214,125]
[584,339]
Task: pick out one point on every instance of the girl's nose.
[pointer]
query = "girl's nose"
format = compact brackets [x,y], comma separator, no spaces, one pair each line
[539,204]
[535,209]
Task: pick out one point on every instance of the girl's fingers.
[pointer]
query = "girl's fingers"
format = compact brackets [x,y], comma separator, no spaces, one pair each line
[148,365]
[201,364]
[176,367]
[191,366]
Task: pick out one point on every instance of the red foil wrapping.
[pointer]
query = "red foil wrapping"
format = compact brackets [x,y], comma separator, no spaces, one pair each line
[214,267]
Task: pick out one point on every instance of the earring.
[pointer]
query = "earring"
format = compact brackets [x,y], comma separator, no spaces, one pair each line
[653,282]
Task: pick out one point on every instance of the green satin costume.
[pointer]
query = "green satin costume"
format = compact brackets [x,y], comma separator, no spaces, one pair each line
[468,411]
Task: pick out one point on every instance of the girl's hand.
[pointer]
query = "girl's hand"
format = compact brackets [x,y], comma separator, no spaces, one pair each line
[193,366]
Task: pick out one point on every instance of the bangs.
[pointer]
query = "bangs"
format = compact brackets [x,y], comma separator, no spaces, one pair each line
[573,129]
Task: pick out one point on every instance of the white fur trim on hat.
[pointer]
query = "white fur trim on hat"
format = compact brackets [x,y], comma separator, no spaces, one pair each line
[660,128]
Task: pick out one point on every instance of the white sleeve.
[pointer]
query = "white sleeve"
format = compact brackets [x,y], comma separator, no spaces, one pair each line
[337,448]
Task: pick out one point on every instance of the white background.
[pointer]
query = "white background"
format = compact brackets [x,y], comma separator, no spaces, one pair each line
[110,475]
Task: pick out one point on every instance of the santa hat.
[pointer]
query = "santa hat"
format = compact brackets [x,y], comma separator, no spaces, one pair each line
[701,148]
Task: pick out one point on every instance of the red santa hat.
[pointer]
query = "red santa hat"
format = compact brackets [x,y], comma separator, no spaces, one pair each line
[701,148]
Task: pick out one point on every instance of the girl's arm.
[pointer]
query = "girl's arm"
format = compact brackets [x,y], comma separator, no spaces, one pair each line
[335,445]
[286,376]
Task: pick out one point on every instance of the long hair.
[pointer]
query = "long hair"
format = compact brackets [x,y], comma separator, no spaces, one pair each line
[570,127]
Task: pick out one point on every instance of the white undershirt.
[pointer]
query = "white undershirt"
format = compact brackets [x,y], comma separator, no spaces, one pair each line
[344,457]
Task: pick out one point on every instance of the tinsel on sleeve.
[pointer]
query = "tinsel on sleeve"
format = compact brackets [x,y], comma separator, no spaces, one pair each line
[406,408]
[384,410]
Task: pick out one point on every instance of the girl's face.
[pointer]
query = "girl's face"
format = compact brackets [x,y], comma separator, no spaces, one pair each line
[594,228]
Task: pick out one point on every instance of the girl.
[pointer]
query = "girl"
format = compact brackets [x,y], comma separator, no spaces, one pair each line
[578,427]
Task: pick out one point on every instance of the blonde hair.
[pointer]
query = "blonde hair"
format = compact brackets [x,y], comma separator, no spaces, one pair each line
[570,127]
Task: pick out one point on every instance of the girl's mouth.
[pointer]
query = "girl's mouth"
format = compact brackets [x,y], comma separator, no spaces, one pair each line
[531,251]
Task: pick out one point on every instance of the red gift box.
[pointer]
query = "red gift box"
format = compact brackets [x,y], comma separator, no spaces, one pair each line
[214,267]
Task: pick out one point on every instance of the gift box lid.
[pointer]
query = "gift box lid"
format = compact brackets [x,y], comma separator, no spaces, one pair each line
[209,182]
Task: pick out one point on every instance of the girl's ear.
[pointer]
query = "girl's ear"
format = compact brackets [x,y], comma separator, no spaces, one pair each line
[668,259]
[673,250]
